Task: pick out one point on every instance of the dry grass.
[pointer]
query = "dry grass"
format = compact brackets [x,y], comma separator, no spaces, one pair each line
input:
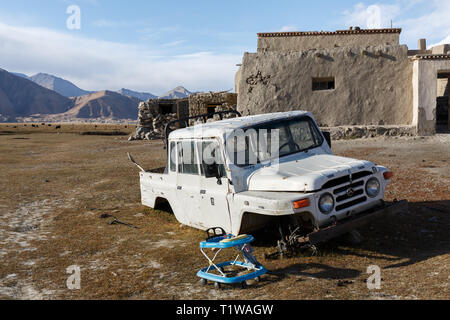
[55,187]
[80,128]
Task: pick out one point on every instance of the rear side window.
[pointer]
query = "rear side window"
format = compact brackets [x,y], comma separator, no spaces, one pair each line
[172,154]
[187,160]
[209,152]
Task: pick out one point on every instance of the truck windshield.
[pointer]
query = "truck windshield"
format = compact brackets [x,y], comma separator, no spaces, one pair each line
[267,141]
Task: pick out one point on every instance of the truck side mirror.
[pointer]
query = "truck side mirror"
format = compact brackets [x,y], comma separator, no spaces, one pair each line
[327,136]
[212,171]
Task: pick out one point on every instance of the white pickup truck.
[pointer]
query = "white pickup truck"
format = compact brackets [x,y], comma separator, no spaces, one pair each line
[299,186]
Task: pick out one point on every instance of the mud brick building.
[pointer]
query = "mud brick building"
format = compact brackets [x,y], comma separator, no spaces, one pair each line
[348,77]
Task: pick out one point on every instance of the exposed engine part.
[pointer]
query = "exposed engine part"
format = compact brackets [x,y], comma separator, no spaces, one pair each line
[292,242]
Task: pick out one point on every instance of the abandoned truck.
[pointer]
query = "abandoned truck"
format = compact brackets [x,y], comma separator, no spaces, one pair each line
[278,171]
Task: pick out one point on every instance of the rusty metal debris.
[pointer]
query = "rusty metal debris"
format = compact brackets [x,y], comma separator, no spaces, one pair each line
[116,221]
[294,243]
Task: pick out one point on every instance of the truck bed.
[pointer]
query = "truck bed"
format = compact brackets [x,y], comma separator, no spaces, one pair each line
[161,170]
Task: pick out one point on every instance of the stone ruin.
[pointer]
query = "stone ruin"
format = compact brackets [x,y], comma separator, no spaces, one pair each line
[210,102]
[155,114]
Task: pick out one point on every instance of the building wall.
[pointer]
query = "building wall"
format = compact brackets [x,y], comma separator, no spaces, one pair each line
[425,85]
[182,108]
[441,49]
[198,103]
[373,85]
[305,42]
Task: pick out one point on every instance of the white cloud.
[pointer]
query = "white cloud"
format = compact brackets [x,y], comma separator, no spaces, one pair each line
[433,25]
[288,28]
[371,16]
[446,40]
[173,43]
[417,18]
[96,65]
[104,23]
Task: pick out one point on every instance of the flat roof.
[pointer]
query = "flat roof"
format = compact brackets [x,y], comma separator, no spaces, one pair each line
[328,33]
[219,128]
[431,57]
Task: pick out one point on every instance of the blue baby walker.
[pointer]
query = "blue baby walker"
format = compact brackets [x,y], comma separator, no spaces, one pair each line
[218,240]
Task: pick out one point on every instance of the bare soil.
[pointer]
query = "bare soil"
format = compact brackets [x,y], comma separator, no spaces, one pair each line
[55,188]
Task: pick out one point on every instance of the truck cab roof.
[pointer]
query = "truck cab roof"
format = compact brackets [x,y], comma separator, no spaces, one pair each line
[219,128]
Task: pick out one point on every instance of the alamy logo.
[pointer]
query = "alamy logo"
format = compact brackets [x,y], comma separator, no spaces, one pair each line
[74,20]
[74,281]
[374,281]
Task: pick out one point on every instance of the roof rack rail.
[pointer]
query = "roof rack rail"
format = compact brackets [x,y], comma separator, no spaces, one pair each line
[204,117]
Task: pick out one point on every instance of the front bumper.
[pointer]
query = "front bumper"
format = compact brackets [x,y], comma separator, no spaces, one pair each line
[343,226]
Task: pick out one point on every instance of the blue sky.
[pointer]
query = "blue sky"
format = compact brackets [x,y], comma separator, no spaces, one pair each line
[154,46]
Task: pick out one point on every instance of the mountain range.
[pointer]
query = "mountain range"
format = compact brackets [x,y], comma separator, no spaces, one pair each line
[177,93]
[20,96]
[44,94]
[63,87]
[143,96]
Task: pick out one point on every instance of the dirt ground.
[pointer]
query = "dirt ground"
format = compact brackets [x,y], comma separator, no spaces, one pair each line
[55,187]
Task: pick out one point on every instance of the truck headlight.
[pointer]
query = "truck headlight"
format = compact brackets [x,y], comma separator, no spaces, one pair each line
[326,203]
[373,187]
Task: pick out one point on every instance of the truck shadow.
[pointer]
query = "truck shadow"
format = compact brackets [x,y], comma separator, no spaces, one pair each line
[419,233]
[407,238]
[315,271]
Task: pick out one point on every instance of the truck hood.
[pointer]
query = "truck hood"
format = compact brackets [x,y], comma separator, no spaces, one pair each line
[304,175]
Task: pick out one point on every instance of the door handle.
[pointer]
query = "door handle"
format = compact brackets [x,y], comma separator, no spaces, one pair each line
[179,188]
[202,191]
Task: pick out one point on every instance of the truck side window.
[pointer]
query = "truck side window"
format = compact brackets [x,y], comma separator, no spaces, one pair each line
[180,157]
[172,155]
[187,161]
[208,150]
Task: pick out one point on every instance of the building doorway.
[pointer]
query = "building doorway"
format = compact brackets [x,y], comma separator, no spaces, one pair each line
[211,109]
[443,103]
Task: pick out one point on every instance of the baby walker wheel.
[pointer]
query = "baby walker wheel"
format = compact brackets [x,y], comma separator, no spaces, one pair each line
[244,285]
[203,281]
[217,285]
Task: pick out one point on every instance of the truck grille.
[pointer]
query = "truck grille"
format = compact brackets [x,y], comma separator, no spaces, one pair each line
[351,203]
[338,181]
[345,199]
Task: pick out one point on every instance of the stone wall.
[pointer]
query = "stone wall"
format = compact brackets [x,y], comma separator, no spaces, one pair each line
[363,132]
[202,103]
[154,114]
[373,85]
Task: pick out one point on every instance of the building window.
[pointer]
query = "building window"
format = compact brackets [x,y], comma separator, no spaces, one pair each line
[211,109]
[323,84]
[166,109]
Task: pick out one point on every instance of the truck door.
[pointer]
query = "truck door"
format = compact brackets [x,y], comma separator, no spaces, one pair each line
[188,184]
[213,196]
